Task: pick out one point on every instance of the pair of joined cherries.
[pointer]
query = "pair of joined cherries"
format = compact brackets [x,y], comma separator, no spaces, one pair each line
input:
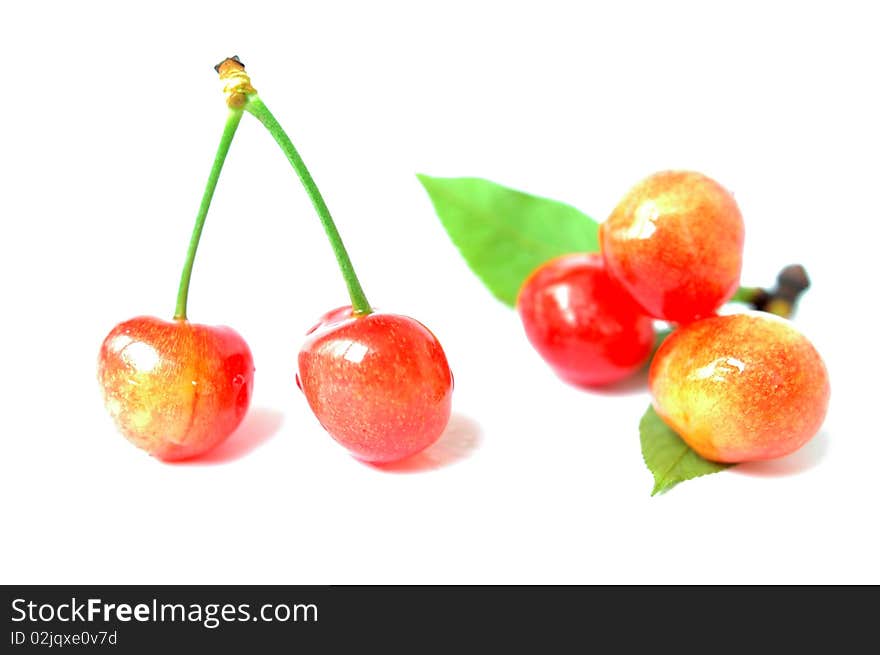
[379,383]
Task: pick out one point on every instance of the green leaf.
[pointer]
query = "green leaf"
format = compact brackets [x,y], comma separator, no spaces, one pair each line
[505,234]
[669,458]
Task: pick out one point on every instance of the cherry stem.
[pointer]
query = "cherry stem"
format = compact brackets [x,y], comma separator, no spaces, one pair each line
[744,294]
[359,303]
[781,299]
[232,121]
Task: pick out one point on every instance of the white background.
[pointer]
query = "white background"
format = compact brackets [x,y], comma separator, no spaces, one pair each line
[110,117]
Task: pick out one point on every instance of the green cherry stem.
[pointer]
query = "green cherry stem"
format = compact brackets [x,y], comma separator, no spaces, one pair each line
[232,121]
[745,295]
[359,303]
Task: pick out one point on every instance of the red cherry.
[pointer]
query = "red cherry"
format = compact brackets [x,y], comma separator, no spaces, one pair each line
[378,383]
[582,322]
[174,388]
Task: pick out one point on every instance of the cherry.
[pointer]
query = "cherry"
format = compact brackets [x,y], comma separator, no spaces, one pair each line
[174,388]
[741,387]
[378,383]
[582,322]
[675,242]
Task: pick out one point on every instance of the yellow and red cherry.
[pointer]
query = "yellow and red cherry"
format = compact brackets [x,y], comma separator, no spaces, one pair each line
[741,387]
[675,242]
[174,388]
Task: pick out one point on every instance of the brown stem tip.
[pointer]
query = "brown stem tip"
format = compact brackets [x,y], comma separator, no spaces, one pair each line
[791,282]
[229,62]
[236,82]
[793,278]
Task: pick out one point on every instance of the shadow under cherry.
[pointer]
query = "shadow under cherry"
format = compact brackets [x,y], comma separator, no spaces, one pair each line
[808,456]
[459,440]
[258,427]
[637,383]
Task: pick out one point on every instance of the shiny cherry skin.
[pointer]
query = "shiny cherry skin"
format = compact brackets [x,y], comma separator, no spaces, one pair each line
[675,242]
[174,388]
[379,383]
[582,322]
[740,388]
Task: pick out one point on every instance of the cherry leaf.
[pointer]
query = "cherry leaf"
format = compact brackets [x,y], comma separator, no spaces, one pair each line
[504,234]
[668,457]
